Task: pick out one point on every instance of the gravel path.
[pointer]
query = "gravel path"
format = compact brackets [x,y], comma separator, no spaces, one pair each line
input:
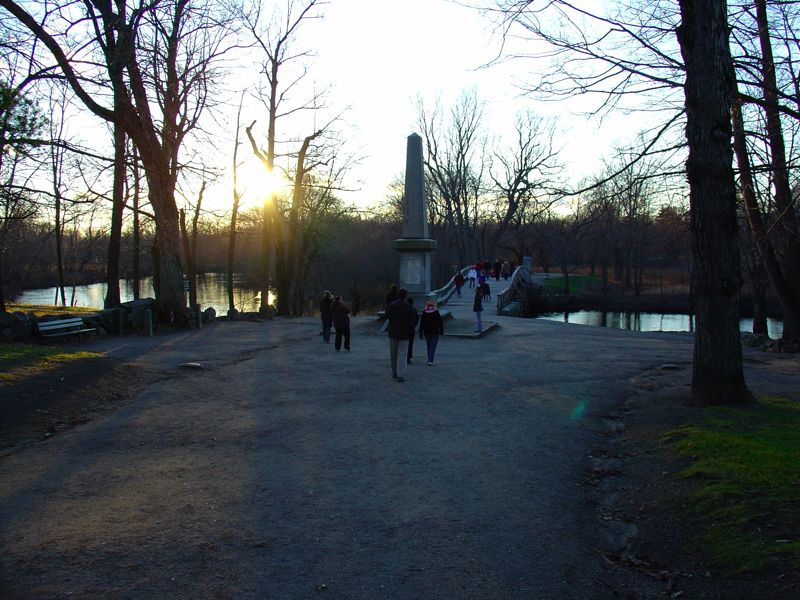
[286,470]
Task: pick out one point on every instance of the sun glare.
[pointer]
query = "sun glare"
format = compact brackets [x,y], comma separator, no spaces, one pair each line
[256,183]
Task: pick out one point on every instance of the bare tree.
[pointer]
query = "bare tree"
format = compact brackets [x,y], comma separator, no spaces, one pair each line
[21,124]
[274,34]
[525,179]
[315,163]
[155,56]
[565,234]
[190,246]
[456,164]
[766,186]
[633,57]
[57,124]
[234,213]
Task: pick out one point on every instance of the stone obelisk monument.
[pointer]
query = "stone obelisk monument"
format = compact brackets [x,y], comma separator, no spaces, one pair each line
[414,247]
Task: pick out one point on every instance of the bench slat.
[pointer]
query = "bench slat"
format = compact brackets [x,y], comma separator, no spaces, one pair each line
[61,323]
[52,334]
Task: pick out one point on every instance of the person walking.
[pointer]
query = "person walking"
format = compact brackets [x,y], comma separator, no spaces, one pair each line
[400,318]
[413,331]
[458,280]
[496,269]
[390,297]
[340,315]
[472,276]
[506,270]
[477,308]
[431,326]
[325,315]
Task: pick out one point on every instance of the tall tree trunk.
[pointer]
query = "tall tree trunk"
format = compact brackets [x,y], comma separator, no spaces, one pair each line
[565,273]
[766,251]
[232,249]
[117,205]
[759,283]
[717,377]
[234,214]
[187,253]
[282,287]
[137,241]
[780,172]
[57,166]
[267,233]
[2,284]
[168,276]
[295,253]
[190,247]
[195,231]
[59,231]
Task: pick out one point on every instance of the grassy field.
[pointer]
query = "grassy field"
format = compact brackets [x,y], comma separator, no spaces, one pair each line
[577,283]
[745,475]
[23,360]
[43,309]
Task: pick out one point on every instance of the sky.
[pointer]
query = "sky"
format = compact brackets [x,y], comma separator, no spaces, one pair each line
[380,55]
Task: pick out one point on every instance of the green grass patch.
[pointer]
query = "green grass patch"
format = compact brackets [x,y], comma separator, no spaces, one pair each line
[745,474]
[41,310]
[577,283]
[22,360]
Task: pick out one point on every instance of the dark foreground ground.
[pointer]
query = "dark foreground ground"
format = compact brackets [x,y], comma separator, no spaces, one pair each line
[522,465]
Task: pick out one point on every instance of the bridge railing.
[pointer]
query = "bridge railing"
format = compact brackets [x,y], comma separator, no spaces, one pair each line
[520,280]
[443,293]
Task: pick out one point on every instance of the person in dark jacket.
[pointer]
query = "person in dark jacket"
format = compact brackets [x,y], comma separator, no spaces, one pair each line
[412,332]
[325,315]
[458,280]
[431,326]
[390,297]
[400,316]
[477,308]
[340,315]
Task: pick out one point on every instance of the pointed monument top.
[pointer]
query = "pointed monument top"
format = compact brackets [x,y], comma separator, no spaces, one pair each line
[415,218]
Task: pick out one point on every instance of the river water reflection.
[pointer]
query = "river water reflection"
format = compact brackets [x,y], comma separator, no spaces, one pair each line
[648,321]
[212,290]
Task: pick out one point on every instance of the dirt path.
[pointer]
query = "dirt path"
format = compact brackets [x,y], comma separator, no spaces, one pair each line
[286,470]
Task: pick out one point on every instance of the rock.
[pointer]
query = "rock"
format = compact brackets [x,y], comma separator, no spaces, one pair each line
[21,327]
[136,309]
[618,536]
[209,315]
[233,314]
[192,365]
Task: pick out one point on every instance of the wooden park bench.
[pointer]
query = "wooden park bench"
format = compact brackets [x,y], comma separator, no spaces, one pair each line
[63,327]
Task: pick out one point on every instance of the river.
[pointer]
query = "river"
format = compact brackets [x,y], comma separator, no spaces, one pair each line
[212,290]
[642,321]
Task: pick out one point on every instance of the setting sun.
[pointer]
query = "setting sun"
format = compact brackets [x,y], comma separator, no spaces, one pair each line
[256,183]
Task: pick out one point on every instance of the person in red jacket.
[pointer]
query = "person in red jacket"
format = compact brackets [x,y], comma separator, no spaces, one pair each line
[458,280]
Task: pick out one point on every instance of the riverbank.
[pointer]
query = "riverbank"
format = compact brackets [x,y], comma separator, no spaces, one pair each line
[549,298]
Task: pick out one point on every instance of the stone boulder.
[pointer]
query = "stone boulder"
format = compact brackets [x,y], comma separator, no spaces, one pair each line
[17,326]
